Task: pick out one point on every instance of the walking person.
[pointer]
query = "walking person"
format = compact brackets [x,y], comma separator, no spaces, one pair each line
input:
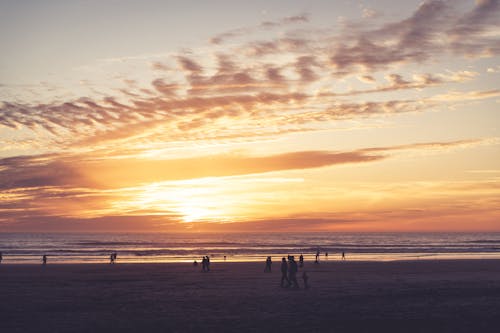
[284,272]
[204,264]
[269,262]
[301,260]
[112,258]
[317,257]
[44,260]
[1,257]
[292,273]
[343,255]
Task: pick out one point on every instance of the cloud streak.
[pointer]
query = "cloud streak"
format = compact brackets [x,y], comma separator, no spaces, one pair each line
[206,97]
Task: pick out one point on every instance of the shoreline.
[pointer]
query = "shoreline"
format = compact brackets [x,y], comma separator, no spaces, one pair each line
[256,262]
[54,259]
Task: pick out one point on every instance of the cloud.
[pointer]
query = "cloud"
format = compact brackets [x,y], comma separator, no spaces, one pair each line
[493,69]
[91,171]
[289,20]
[467,95]
[159,66]
[285,80]
[369,12]
[434,29]
[47,171]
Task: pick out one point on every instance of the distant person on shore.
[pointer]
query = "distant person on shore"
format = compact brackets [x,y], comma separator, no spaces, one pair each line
[305,278]
[112,258]
[1,257]
[292,273]
[316,261]
[269,262]
[326,255]
[224,258]
[284,272]
[343,255]
[44,259]
[301,260]
[204,264]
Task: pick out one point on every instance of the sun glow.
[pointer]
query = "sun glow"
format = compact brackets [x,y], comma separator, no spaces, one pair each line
[191,213]
[199,201]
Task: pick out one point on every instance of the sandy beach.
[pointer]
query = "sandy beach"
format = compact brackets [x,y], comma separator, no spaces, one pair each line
[413,296]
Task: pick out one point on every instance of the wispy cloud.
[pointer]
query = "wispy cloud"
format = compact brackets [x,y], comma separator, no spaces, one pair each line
[223,37]
[291,88]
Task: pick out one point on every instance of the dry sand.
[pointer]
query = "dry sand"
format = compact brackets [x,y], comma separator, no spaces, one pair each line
[418,296]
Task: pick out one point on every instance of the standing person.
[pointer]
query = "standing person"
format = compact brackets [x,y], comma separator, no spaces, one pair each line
[317,257]
[326,255]
[284,271]
[269,262]
[1,257]
[343,255]
[208,263]
[204,264]
[301,260]
[44,259]
[112,258]
[292,273]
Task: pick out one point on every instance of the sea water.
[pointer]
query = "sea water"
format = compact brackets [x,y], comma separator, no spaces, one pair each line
[187,247]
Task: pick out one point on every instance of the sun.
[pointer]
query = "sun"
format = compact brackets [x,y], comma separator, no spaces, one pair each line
[192,213]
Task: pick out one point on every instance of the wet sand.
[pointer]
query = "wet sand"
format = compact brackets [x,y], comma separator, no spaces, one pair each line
[418,296]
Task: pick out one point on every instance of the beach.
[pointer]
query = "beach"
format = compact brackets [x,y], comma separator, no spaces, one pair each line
[394,296]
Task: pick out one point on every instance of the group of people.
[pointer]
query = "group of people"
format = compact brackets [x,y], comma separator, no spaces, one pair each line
[289,272]
[205,264]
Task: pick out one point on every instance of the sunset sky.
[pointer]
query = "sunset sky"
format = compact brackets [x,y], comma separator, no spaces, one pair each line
[159,116]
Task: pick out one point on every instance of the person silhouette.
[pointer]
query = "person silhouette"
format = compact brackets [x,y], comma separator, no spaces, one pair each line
[195,263]
[208,263]
[292,273]
[326,255]
[284,271]
[301,260]
[44,259]
[1,257]
[112,258]
[204,264]
[317,257]
[343,255]
[305,278]
[269,262]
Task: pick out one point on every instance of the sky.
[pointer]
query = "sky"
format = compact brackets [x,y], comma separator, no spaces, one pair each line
[237,116]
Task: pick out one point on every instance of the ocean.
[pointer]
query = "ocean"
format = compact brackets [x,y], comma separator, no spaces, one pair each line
[187,247]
